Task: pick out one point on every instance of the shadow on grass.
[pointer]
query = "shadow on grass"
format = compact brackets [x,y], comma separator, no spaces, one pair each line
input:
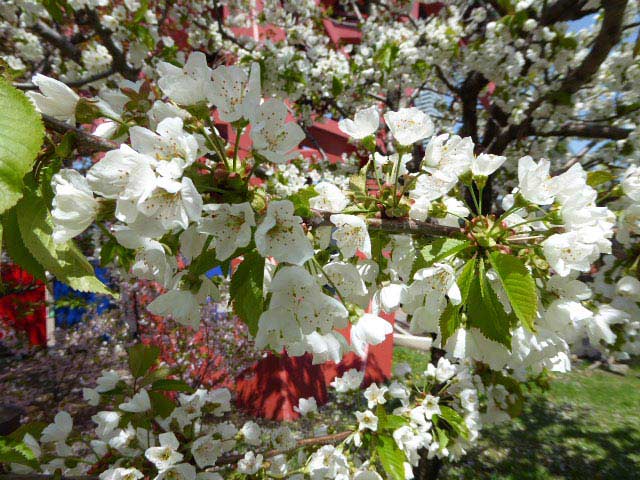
[553,441]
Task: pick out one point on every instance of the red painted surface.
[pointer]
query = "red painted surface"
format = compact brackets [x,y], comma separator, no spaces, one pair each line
[426,9]
[274,385]
[24,310]
[342,33]
[268,32]
[331,139]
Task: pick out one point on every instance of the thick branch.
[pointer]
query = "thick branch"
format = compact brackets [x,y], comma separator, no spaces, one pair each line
[469,91]
[565,10]
[395,225]
[58,40]
[585,130]
[607,38]
[119,57]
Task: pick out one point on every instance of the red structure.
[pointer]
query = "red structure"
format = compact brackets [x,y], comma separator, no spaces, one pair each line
[274,386]
[22,304]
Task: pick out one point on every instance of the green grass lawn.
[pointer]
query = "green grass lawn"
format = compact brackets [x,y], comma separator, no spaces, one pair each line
[586,427]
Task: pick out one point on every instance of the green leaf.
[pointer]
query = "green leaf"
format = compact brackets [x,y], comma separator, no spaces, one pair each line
[454,419]
[159,373]
[246,290]
[337,87]
[33,428]
[391,457]
[449,322]
[358,181]
[300,201]
[141,12]
[161,405]
[485,311]
[15,247]
[465,278]
[64,260]
[598,177]
[519,285]
[21,134]
[142,358]
[204,262]
[169,385]
[53,7]
[442,248]
[387,422]
[622,109]
[12,451]
[443,439]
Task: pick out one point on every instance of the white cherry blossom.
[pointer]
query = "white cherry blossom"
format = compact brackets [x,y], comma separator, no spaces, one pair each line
[409,125]
[229,225]
[236,94]
[56,100]
[365,123]
[187,85]
[74,206]
[280,235]
[351,235]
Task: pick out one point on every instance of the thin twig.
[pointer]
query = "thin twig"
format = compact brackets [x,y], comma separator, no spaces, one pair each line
[73,83]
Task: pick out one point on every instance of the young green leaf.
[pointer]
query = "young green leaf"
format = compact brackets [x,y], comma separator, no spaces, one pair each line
[449,322]
[598,177]
[161,405]
[465,278]
[300,201]
[440,249]
[15,247]
[246,290]
[170,385]
[519,286]
[20,140]
[391,457]
[13,451]
[388,422]
[485,311]
[454,419]
[141,358]
[63,260]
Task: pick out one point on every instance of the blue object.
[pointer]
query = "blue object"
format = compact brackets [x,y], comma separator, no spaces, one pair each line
[67,315]
[214,272]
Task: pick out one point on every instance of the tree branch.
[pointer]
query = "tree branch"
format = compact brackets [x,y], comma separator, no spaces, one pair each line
[469,91]
[119,57]
[84,138]
[585,130]
[73,83]
[607,38]
[395,225]
[443,79]
[565,10]
[58,40]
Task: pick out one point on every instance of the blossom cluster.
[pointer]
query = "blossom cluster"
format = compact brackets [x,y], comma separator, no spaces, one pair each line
[206,171]
[141,432]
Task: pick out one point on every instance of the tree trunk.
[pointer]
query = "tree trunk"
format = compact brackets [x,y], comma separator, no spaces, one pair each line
[427,469]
